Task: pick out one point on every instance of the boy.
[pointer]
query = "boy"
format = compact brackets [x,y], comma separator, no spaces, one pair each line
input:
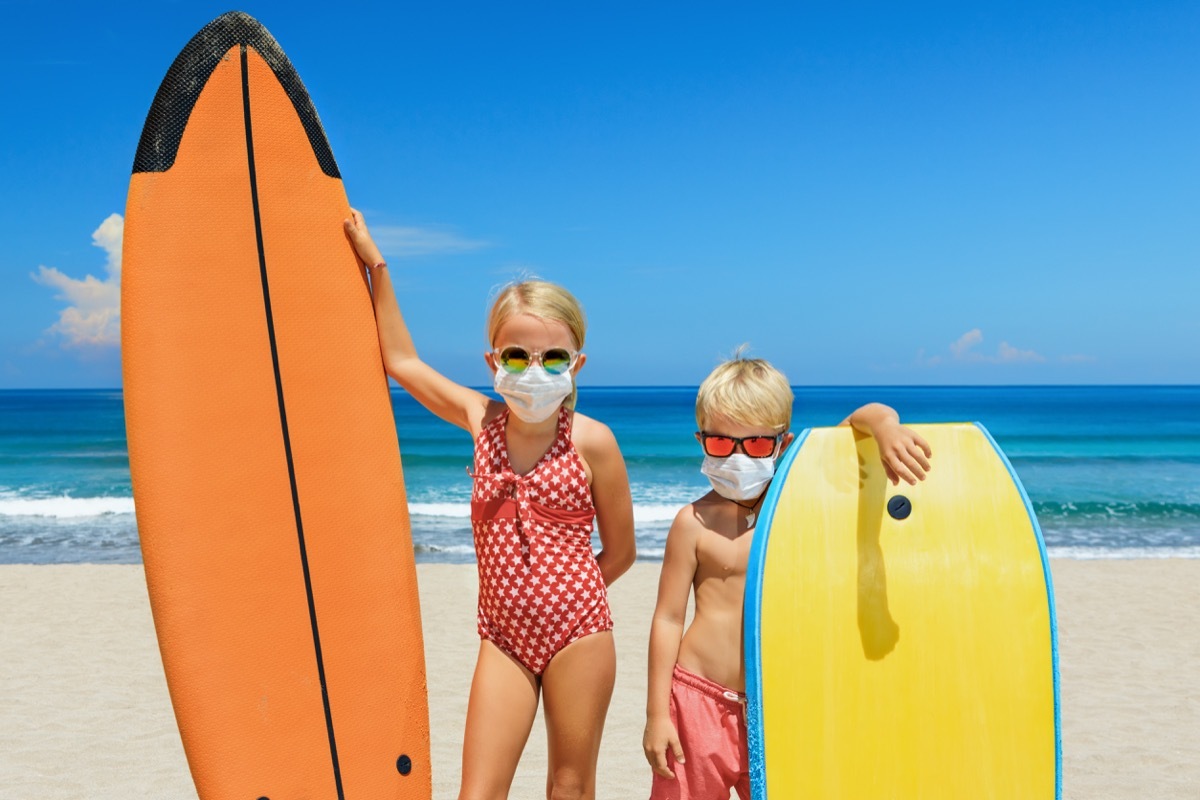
[695,738]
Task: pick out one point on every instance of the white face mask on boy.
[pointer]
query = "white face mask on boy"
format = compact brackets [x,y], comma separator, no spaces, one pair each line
[533,394]
[738,477]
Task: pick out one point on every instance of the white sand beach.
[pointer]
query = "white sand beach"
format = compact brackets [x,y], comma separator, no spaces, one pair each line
[86,713]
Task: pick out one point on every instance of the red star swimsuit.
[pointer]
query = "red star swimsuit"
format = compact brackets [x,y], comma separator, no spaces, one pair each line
[540,587]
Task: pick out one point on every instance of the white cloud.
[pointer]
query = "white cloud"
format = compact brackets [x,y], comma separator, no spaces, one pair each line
[404,241]
[1007,353]
[92,317]
[928,361]
[964,350]
[961,348]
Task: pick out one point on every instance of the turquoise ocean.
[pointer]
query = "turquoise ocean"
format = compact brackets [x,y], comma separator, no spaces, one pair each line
[1112,471]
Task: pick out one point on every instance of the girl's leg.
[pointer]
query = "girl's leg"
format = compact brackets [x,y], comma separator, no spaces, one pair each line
[500,712]
[576,688]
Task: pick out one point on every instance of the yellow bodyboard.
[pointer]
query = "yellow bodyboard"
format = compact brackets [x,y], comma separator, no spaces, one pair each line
[900,640]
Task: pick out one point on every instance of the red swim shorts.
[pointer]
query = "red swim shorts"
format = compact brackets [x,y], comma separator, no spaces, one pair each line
[711,723]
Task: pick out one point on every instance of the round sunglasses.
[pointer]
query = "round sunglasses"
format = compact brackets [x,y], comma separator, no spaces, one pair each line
[720,446]
[515,359]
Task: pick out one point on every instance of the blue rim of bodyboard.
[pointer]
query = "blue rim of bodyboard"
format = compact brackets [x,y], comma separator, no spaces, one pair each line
[752,618]
[752,621]
[1041,543]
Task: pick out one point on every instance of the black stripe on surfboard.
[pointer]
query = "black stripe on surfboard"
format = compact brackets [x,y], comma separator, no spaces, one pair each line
[287,441]
[185,80]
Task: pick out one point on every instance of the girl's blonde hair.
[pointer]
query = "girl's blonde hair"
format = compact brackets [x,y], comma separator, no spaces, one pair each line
[745,390]
[542,299]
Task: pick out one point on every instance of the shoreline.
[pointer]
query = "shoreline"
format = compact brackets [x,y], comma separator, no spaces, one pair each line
[464,555]
[87,712]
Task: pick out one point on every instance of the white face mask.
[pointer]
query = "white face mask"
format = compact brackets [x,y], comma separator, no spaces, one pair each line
[533,395]
[738,477]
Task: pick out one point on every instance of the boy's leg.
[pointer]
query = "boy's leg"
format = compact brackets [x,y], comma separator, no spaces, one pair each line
[705,718]
[576,688]
[500,712]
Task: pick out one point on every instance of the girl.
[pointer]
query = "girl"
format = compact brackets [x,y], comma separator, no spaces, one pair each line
[542,472]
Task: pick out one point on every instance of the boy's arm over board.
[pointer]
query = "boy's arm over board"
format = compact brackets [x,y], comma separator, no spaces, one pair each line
[905,454]
[666,632]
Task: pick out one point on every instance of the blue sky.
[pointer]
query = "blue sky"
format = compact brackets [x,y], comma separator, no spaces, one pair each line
[954,193]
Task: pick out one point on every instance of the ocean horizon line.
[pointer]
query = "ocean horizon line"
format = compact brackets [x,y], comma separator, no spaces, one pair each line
[392,389]
[1108,468]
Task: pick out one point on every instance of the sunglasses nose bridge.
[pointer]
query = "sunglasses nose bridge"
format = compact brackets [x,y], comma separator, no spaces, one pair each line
[532,357]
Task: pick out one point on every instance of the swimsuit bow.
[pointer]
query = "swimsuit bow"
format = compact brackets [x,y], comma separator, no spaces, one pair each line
[512,501]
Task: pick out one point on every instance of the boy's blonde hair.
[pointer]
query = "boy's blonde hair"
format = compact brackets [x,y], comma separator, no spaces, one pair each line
[542,299]
[745,390]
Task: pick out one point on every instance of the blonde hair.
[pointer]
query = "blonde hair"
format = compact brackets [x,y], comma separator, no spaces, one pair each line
[541,299]
[745,390]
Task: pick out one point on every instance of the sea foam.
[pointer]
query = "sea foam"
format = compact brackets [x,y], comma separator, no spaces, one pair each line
[64,506]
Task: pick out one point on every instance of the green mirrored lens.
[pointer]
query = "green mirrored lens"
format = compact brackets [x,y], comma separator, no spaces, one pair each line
[556,361]
[514,359]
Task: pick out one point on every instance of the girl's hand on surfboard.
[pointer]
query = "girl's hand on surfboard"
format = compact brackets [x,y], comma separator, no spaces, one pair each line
[904,453]
[661,736]
[364,245]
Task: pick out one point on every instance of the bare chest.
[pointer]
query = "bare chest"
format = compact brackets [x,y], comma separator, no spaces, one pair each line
[720,556]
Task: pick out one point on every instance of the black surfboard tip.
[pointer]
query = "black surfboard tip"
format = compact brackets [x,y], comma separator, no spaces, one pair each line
[188,74]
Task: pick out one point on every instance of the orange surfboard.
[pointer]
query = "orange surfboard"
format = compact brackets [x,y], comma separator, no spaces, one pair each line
[266,471]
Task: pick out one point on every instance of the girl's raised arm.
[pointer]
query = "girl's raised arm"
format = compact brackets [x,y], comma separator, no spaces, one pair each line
[457,404]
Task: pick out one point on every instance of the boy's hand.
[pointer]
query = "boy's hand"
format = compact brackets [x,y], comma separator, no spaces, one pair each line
[661,736]
[905,454]
[364,245]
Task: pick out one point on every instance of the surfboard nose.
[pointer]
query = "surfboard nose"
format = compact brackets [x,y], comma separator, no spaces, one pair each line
[189,74]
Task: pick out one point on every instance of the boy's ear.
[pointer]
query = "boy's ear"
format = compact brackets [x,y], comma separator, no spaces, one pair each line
[787,439]
[489,358]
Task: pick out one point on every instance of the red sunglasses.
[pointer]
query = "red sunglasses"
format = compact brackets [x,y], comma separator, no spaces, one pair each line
[719,446]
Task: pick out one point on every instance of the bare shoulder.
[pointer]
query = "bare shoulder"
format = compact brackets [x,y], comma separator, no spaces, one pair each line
[682,538]
[594,439]
[491,409]
[693,519]
[710,512]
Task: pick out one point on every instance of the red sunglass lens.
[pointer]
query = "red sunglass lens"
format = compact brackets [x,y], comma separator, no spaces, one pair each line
[718,446]
[759,446]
